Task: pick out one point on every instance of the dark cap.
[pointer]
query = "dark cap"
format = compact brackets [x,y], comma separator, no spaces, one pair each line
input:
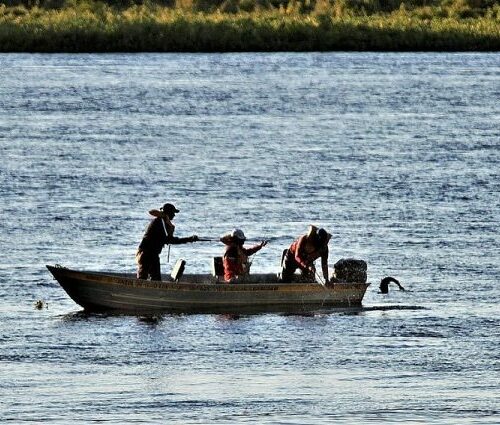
[169,209]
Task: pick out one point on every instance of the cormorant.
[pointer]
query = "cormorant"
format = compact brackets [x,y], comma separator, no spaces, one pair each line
[384,284]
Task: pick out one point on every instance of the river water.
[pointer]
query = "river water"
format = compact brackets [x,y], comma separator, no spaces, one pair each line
[397,155]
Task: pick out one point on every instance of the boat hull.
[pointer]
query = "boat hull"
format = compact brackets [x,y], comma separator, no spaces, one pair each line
[96,291]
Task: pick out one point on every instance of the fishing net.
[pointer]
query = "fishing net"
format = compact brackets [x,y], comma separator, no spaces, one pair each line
[350,270]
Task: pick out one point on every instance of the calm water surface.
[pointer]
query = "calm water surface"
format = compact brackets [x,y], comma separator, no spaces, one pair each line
[396,154]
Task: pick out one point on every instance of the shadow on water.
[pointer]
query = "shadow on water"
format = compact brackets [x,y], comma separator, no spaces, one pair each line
[392,307]
[83,315]
[354,311]
[155,319]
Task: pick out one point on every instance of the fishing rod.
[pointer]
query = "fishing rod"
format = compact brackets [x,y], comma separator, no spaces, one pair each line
[218,240]
[252,257]
[320,279]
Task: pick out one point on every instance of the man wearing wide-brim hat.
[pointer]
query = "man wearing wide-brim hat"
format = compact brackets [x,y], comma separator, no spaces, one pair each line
[235,259]
[159,232]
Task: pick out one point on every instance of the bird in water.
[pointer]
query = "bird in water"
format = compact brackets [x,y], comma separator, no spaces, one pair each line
[40,304]
[384,284]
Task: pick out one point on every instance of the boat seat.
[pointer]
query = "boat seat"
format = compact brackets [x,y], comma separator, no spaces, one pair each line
[283,256]
[217,267]
[282,263]
[178,270]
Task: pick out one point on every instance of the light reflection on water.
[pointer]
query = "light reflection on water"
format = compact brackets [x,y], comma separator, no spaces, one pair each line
[396,154]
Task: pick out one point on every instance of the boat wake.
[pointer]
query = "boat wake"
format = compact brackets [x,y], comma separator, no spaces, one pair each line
[393,307]
[357,310]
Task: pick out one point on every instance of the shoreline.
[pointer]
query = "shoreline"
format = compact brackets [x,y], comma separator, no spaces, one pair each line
[160,29]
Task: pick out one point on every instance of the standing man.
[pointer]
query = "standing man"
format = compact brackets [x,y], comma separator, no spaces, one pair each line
[159,232]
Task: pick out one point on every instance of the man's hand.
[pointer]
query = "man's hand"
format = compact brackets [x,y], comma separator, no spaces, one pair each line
[194,238]
[330,283]
[309,272]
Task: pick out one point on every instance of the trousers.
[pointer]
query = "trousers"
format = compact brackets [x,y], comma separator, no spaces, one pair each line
[148,265]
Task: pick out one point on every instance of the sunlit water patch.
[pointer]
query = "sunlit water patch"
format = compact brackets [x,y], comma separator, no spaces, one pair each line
[397,155]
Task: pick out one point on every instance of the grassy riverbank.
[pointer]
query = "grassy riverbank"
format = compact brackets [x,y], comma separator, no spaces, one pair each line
[248,25]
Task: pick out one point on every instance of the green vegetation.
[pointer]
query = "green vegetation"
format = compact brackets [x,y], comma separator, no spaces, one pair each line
[248,25]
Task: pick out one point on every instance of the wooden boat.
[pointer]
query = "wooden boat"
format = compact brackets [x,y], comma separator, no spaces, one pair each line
[202,293]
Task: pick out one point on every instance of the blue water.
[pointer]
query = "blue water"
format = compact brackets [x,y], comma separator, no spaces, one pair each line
[397,155]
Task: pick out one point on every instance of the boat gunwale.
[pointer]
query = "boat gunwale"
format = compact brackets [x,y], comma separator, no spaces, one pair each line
[114,279]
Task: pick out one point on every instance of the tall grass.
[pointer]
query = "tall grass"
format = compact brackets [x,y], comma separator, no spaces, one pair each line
[87,26]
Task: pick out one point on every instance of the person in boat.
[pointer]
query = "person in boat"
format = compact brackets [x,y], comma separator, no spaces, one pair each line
[159,232]
[235,259]
[303,252]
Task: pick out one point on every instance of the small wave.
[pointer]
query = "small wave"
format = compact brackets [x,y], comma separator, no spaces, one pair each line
[83,315]
[393,307]
[423,334]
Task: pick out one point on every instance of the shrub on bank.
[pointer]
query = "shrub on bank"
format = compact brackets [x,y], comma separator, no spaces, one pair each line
[87,26]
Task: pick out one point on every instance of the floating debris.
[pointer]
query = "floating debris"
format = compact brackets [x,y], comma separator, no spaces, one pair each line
[40,305]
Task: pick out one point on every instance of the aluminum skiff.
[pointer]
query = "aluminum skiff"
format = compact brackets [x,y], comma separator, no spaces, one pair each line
[201,293]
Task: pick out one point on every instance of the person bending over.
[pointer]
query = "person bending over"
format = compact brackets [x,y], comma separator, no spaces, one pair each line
[304,251]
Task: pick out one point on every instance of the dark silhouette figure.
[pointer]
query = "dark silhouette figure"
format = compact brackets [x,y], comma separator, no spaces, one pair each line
[384,284]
